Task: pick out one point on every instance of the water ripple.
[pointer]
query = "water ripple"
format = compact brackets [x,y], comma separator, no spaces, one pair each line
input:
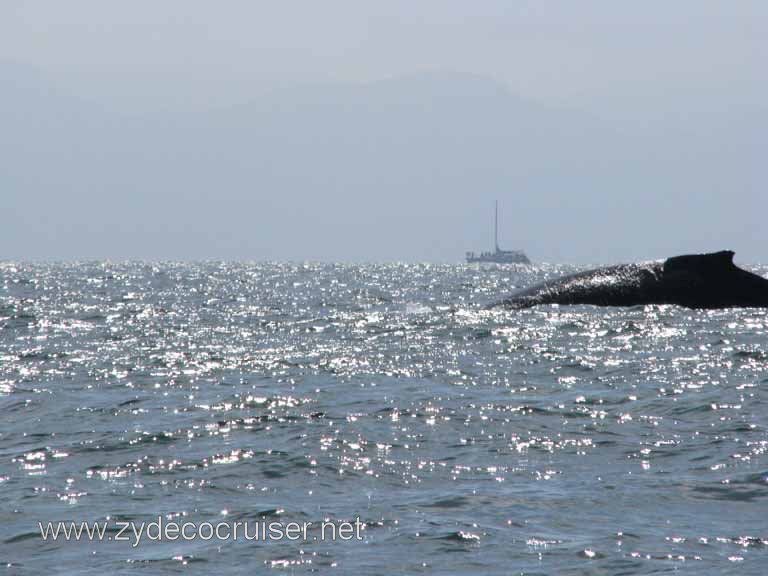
[563,440]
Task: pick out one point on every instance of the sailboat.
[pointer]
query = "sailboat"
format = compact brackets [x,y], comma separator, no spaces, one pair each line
[498,256]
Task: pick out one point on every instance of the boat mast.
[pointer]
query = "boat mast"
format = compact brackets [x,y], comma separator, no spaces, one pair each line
[496,226]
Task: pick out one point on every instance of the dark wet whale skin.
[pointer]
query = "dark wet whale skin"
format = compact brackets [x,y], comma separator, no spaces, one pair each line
[692,280]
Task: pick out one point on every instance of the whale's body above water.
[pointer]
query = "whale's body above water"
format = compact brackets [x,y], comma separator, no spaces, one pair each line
[693,281]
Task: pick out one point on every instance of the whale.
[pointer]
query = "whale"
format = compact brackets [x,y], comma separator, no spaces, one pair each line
[706,281]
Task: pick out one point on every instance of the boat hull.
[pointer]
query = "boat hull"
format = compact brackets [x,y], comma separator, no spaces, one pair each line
[499,257]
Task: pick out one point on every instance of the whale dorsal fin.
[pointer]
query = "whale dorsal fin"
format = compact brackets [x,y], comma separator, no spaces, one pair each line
[702,263]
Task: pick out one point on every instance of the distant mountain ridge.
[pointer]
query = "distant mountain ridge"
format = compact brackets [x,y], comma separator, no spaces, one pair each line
[405,168]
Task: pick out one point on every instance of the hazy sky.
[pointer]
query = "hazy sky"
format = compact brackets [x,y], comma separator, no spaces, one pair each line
[354,130]
[606,55]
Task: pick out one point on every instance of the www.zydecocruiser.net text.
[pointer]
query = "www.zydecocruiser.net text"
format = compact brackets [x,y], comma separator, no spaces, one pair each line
[164,530]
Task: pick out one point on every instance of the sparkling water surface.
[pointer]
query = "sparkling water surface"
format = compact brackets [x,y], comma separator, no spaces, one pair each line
[570,440]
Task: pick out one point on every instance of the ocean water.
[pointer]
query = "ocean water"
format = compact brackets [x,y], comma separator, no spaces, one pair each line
[570,440]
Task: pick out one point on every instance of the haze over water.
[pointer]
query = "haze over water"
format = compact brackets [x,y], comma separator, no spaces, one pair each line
[572,440]
[382,131]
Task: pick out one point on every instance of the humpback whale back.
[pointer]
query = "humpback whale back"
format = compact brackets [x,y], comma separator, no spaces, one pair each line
[691,280]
